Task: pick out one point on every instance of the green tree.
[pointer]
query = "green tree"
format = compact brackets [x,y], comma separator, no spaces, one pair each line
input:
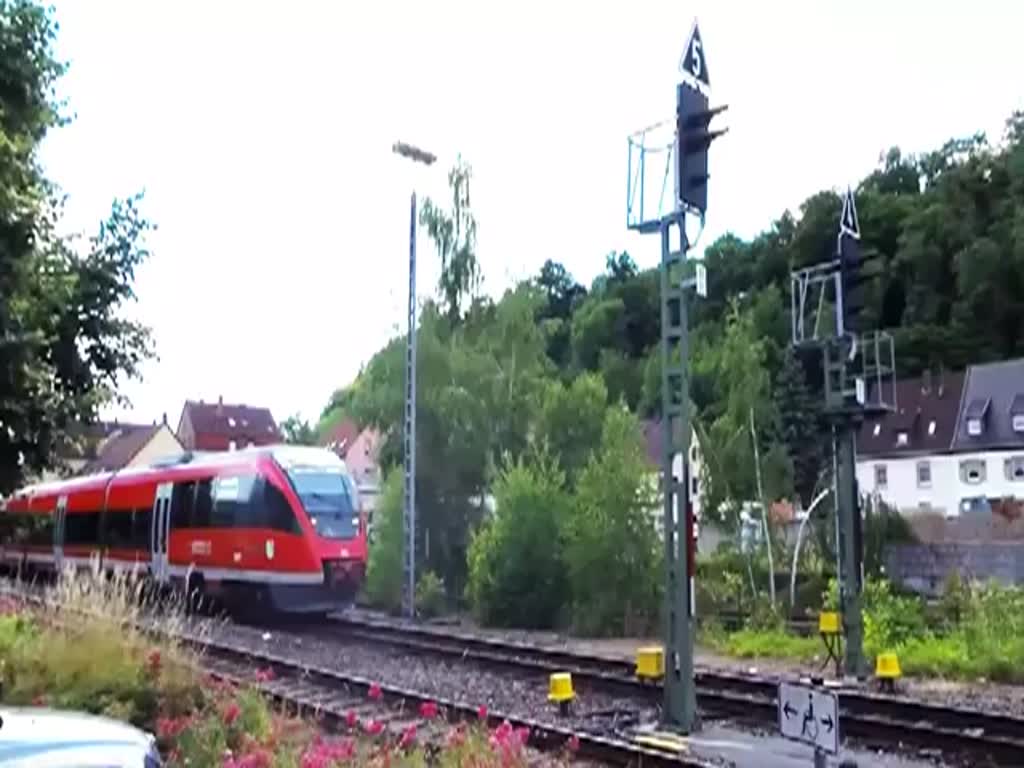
[516,574]
[804,431]
[454,236]
[612,549]
[384,569]
[298,431]
[65,346]
[737,363]
[571,421]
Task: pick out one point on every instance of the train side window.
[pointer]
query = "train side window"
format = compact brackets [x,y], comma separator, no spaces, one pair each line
[204,505]
[278,511]
[41,529]
[82,529]
[117,528]
[232,498]
[141,523]
[183,503]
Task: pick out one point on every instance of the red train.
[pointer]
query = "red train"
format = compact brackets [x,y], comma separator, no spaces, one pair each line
[270,529]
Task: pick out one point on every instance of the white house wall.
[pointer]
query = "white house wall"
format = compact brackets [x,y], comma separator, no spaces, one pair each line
[947,489]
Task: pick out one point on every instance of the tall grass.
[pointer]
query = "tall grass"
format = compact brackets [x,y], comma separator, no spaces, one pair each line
[103,644]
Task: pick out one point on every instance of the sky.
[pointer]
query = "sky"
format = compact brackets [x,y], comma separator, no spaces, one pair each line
[261,135]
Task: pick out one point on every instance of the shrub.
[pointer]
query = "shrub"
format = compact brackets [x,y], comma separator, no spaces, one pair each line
[613,553]
[516,568]
[384,569]
[430,595]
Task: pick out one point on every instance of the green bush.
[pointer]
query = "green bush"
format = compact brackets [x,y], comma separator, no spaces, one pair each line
[384,570]
[516,568]
[612,552]
[430,595]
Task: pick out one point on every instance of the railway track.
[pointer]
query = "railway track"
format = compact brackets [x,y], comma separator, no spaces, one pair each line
[335,696]
[876,720]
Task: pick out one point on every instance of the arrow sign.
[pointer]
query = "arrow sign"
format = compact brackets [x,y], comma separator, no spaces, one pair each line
[693,64]
[849,224]
[809,715]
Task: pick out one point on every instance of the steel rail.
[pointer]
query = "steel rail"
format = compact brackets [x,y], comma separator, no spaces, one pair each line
[328,692]
[874,718]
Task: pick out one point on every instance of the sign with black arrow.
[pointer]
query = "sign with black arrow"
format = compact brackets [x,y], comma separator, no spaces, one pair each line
[809,715]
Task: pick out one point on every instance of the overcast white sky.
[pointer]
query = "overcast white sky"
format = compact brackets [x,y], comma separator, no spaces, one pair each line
[261,133]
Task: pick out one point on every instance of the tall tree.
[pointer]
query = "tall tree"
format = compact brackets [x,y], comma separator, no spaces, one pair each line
[298,431]
[454,236]
[804,432]
[64,344]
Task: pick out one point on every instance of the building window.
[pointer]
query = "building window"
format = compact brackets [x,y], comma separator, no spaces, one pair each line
[972,471]
[694,486]
[1014,467]
[878,430]
[974,427]
[881,476]
[901,438]
[1018,422]
[931,428]
[924,474]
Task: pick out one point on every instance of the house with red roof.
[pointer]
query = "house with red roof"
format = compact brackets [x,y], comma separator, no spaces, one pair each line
[107,446]
[224,426]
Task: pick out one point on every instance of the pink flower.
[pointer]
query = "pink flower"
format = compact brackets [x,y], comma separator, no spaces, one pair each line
[481,712]
[350,719]
[428,710]
[231,713]
[168,728]
[574,743]
[264,675]
[408,737]
[374,727]
[375,692]
[456,736]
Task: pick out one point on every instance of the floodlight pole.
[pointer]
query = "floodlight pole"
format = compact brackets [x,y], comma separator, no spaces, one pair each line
[409,427]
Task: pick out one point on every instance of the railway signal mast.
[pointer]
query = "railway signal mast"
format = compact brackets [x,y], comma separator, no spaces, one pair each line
[679,146]
[855,367]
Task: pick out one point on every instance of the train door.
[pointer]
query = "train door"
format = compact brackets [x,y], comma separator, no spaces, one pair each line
[159,533]
[59,516]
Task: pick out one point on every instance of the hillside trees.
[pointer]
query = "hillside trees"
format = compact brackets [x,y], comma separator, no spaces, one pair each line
[543,366]
[64,344]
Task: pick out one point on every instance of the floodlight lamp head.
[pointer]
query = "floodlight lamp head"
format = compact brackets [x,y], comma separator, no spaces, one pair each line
[413,153]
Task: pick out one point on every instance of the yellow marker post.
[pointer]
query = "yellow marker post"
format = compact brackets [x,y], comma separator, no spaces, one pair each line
[831,630]
[560,691]
[887,670]
[650,662]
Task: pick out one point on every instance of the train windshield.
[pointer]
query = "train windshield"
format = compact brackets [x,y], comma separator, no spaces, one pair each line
[328,498]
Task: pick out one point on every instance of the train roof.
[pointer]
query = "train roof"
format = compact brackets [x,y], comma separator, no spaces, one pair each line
[287,456]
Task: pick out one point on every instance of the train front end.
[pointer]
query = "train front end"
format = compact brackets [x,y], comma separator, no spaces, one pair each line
[336,524]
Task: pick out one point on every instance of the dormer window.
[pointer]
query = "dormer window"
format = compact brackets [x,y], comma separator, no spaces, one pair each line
[931,428]
[878,430]
[902,438]
[231,421]
[975,416]
[1017,413]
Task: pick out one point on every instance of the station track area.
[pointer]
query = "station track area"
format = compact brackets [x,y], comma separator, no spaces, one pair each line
[333,695]
[876,720]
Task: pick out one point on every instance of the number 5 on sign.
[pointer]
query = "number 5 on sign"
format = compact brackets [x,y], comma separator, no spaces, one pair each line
[693,63]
